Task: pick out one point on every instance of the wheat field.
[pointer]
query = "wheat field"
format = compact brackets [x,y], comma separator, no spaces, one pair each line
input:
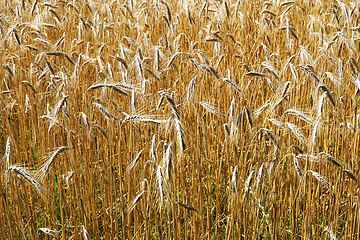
[181,119]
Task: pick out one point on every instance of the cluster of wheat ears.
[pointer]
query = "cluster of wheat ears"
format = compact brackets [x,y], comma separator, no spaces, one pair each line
[230,119]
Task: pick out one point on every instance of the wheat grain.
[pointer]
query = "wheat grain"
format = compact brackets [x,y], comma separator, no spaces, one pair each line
[320,179]
[255,74]
[7,67]
[101,130]
[85,233]
[23,173]
[247,68]
[297,166]
[196,63]
[103,110]
[259,175]
[294,73]
[271,69]
[45,167]
[297,132]
[188,207]
[172,102]
[350,174]
[331,234]
[153,154]
[261,109]
[331,159]
[50,232]
[297,148]
[173,58]
[271,136]
[210,108]
[167,161]
[191,89]
[180,135]
[248,183]
[327,93]
[160,183]
[131,166]
[234,180]
[231,84]
[308,69]
[142,118]
[111,86]
[299,115]
[248,116]
[277,123]
[85,120]
[346,41]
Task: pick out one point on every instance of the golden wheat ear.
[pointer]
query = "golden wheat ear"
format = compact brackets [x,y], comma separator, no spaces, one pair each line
[23,173]
[50,232]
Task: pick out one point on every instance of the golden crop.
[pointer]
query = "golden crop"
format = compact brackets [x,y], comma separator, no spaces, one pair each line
[179,119]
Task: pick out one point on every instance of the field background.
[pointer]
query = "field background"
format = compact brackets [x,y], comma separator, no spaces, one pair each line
[179,119]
